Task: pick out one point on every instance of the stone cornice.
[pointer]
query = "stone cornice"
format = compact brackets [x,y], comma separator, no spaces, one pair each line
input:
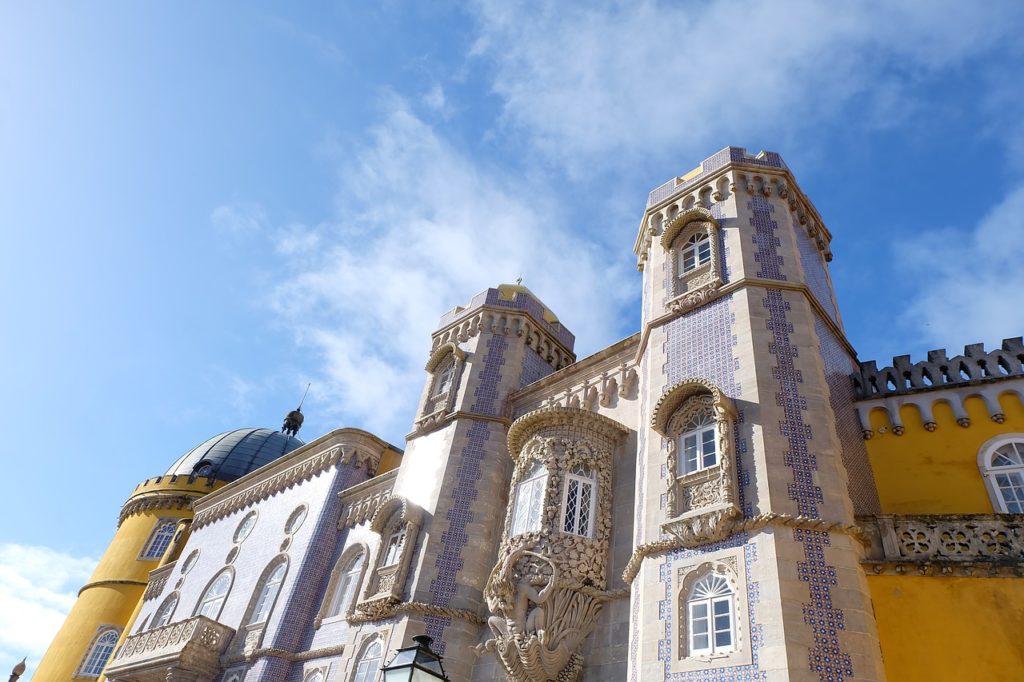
[731,287]
[611,357]
[435,422]
[290,656]
[531,422]
[399,608]
[160,499]
[342,445]
[110,583]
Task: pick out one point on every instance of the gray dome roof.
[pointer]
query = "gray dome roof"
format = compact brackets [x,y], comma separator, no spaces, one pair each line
[235,453]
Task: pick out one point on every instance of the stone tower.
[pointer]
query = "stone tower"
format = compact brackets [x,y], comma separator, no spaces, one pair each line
[451,492]
[741,337]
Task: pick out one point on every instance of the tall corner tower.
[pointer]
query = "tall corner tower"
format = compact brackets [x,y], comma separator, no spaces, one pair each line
[743,354]
[456,467]
[150,529]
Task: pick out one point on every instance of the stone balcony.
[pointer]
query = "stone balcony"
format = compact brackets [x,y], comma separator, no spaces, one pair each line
[188,651]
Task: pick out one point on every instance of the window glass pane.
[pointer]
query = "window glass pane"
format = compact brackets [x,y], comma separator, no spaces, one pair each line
[704,251]
[708,448]
[267,596]
[100,653]
[163,614]
[1011,487]
[586,493]
[394,547]
[214,598]
[571,499]
[689,453]
[160,540]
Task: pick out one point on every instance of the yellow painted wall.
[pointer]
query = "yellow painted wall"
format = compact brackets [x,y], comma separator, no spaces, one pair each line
[116,586]
[964,629]
[936,472]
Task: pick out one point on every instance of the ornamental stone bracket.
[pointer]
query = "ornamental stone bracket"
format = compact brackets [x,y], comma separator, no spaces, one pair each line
[945,545]
[158,580]
[188,650]
[549,586]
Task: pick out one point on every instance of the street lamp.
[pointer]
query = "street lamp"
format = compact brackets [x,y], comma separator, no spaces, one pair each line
[415,663]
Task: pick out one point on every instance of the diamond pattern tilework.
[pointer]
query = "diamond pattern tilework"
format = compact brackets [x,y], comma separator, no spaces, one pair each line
[453,540]
[766,239]
[815,274]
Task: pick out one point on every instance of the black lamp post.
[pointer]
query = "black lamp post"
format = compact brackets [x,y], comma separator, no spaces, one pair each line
[415,663]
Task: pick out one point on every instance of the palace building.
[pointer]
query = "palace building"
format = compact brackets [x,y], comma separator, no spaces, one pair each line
[727,494]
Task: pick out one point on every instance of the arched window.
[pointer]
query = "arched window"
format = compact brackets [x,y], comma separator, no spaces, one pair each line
[348,583]
[695,252]
[315,676]
[697,443]
[1003,469]
[159,539]
[578,501]
[163,614]
[526,514]
[267,594]
[444,378]
[213,598]
[369,663]
[99,653]
[709,608]
[393,545]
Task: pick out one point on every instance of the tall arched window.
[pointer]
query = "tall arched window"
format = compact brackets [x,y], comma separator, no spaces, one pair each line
[1002,466]
[163,614]
[348,583]
[99,653]
[526,514]
[214,597]
[267,594]
[394,544]
[695,252]
[711,626]
[160,539]
[697,444]
[578,501]
[369,663]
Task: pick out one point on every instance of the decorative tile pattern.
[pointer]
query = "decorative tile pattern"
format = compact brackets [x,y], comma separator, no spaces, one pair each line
[524,302]
[838,367]
[815,272]
[765,238]
[459,515]
[826,657]
[710,165]
[534,368]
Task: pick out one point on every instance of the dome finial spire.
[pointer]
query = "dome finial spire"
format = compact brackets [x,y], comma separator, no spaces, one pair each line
[293,420]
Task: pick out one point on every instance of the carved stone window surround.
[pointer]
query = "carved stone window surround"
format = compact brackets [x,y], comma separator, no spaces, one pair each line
[690,288]
[698,502]
[383,586]
[436,406]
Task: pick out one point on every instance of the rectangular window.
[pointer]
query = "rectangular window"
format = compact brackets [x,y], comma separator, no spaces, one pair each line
[699,639]
[1011,486]
[159,540]
[528,506]
[722,608]
[394,547]
[577,505]
[708,453]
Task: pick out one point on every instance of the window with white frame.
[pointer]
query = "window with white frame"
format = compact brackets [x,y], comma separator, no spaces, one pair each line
[315,676]
[578,501]
[695,252]
[1005,474]
[159,539]
[393,546]
[348,582]
[268,594]
[163,614]
[443,378]
[99,653]
[710,621]
[216,594]
[697,444]
[369,663]
[529,502]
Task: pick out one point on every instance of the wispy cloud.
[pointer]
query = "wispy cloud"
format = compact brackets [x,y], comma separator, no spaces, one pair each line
[239,219]
[594,83]
[38,586]
[968,281]
[421,227]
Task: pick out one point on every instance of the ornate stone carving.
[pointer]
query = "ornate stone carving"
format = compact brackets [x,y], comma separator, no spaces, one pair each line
[549,586]
[384,585]
[694,288]
[192,647]
[950,540]
[361,502]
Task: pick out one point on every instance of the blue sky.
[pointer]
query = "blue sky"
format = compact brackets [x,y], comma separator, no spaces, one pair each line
[205,206]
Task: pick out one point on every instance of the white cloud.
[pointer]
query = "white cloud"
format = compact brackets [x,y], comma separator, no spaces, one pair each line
[38,586]
[608,80]
[239,220]
[969,279]
[420,229]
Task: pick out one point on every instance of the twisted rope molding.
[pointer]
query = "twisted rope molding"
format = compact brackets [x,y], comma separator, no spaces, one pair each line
[416,607]
[287,655]
[738,526]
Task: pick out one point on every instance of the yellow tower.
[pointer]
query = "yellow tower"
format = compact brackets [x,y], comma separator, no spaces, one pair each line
[150,526]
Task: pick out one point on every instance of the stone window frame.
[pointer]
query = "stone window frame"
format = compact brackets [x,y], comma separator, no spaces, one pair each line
[155,536]
[384,585]
[101,631]
[985,455]
[716,488]
[334,583]
[229,570]
[590,481]
[176,596]
[360,651]
[249,636]
[690,575]
[435,405]
[692,286]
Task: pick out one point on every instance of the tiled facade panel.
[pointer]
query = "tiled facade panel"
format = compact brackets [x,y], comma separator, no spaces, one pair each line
[838,368]
[815,273]
[534,367]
